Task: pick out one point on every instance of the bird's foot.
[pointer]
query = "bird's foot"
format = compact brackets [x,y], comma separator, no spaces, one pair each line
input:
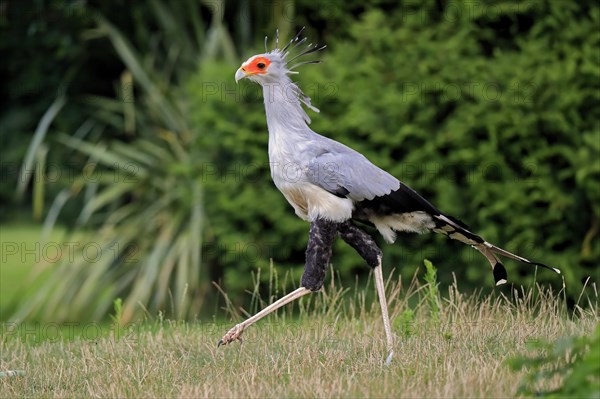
[388,360]
[235,334]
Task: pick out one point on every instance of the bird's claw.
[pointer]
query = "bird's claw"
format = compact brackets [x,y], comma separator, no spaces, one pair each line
[235,334]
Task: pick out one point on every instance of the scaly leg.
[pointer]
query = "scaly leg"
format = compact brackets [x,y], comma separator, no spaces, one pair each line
[368,249]
[235,333]
[384,311]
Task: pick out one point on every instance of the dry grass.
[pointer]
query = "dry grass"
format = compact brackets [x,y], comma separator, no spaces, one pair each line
[335,348]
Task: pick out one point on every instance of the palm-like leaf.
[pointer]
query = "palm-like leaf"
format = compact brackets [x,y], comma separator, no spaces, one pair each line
[141,239]
[139,234]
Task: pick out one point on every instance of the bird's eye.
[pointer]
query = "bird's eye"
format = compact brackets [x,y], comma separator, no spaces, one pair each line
[261,65]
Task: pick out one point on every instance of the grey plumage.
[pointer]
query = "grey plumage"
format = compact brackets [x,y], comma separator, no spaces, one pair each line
[341,170]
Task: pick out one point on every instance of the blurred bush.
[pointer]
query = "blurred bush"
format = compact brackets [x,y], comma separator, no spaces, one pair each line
[572,361]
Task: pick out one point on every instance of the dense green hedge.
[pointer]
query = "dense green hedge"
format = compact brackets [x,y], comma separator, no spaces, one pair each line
[491,112]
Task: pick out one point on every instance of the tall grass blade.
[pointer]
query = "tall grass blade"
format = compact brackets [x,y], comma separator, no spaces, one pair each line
[25,174]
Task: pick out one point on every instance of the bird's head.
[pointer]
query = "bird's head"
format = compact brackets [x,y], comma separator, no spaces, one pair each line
[262,68]
[273,66]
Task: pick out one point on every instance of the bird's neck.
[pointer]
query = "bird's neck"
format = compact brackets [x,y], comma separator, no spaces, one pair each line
[285,114]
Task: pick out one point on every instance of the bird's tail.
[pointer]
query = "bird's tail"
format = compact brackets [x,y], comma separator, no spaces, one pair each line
[457,230]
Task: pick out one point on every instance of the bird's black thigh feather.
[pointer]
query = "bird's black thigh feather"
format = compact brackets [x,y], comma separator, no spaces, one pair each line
[320,242]
[361,242]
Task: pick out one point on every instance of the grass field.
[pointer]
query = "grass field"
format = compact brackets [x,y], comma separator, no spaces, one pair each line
[330,344]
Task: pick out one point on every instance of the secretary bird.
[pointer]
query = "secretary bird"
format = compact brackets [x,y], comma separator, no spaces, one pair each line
[330,185]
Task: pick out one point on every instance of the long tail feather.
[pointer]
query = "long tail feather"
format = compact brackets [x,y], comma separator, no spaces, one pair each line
[510,255]
[500,275]
[457,230]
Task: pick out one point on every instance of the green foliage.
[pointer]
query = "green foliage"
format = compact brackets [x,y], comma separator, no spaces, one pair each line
[117,318]
[406,321]
[429,302]
[432,292]
[574,360]
[118,307]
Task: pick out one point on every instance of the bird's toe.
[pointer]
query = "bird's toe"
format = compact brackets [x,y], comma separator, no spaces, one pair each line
[235,334]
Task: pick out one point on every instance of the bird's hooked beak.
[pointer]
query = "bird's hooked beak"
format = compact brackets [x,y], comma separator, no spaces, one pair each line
[240,74]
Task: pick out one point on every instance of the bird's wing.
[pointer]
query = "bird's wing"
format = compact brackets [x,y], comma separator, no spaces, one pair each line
[349,174]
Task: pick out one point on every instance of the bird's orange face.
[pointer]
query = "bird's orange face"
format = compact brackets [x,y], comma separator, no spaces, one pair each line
[257,65]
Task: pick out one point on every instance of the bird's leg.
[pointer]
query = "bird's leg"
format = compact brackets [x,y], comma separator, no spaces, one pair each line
[384,311]
[318,252]
[369,251]
[363,243]
[320,240]
[236,332]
